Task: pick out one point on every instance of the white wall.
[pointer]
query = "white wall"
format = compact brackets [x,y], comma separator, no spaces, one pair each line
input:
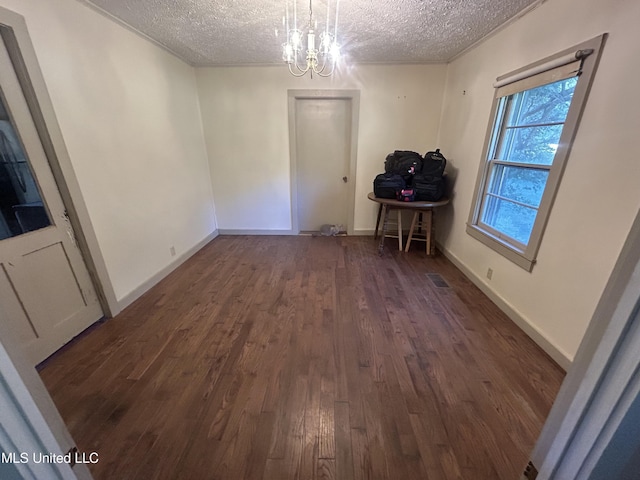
[599,194]
[245,120]
[129,114]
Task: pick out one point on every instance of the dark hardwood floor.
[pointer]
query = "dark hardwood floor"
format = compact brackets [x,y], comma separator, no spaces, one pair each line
[306,358]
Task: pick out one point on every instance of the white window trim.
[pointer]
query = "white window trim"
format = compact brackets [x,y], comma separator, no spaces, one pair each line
[525,256]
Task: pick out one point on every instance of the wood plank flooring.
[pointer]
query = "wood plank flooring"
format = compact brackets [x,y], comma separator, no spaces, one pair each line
[306,358]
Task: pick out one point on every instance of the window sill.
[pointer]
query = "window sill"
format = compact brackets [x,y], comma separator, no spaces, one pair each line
[508,251]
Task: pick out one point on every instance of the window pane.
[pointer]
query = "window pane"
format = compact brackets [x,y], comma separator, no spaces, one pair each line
[524,185]
[535,145]
[529,133]
[21,207]
[509,218]
[545,104]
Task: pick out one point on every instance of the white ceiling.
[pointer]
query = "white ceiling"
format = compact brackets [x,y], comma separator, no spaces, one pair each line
[242,32]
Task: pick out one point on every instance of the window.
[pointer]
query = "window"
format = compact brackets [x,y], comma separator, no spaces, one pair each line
[533,122]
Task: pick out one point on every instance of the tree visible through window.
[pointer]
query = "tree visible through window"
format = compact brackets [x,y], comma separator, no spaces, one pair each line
[527,137]
[534,120]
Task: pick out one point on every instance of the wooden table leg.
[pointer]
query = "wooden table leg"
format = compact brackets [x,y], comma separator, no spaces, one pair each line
[413,226]
[375,235]
[399,211]
[385,219]
[429,223]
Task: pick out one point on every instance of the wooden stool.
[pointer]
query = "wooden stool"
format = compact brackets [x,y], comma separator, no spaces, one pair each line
[418,207]
[424,221]
[385,224]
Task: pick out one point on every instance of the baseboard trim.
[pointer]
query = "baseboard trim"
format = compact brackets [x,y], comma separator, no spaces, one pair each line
[226,231]
[363,233]
[231,231]
[560,357]
[355,233]
[155,279]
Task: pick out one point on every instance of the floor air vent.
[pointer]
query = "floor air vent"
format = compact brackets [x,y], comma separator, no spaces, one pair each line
[437,280]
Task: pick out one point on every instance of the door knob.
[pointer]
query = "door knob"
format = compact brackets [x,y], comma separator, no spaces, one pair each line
[344,179]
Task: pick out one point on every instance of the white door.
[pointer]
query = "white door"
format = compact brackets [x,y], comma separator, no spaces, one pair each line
[46,294]
[323,149]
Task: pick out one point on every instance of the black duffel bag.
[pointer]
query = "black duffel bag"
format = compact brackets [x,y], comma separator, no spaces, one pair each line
[429,188]
[403,162]
[387,185]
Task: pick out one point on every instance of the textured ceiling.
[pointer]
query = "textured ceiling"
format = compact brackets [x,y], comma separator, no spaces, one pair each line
[243,32]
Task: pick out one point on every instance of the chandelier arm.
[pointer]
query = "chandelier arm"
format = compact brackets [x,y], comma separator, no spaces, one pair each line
[325,62]
[324,67]
[295,63]
[326,74]
[299,68]
[319,70]
[300,72]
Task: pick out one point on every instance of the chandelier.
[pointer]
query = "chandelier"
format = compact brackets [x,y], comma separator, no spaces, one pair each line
[320,60]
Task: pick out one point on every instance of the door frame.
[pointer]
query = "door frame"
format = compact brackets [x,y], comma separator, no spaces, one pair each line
[13,29]
[30,422]
[603,381]
[354,97]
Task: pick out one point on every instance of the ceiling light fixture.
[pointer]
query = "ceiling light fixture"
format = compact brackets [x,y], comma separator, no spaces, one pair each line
[321,60]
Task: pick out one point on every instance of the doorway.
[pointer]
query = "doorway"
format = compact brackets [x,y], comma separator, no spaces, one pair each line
[323,137]
[46,293]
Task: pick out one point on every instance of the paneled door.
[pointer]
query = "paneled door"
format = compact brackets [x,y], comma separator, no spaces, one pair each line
[46,293]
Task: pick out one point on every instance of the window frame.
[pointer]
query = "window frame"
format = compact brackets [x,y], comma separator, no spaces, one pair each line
[525,256]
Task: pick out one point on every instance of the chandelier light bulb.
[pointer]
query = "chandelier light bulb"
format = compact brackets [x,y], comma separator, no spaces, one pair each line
[296,40]
[335,51]
[287,52]
[325,42]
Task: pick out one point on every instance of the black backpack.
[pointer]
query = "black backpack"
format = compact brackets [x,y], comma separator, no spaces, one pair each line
[433,164]
[430,184]
[403,162]
[387,185]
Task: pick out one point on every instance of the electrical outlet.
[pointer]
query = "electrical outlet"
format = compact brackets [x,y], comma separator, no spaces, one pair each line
[172,249]
[489,273]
